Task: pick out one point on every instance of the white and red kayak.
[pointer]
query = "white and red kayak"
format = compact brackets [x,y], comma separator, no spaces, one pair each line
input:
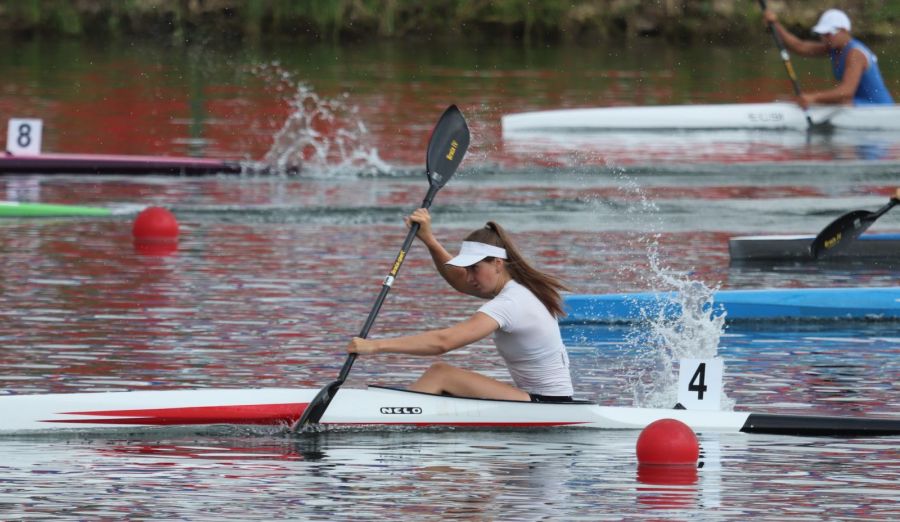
[381,406]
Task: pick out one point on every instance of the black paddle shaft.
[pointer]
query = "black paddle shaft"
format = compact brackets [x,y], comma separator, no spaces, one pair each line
[446,148]
[785,57]
[386,286]
[316,408]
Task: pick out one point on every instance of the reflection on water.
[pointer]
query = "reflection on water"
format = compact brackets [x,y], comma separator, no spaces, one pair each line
[145,98]
[273,275]
[446,475]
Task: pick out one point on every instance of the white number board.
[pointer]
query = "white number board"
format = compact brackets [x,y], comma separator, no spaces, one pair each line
[700,383]
[23,136]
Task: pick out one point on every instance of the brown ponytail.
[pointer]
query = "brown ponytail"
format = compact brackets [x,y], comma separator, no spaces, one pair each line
[544,286]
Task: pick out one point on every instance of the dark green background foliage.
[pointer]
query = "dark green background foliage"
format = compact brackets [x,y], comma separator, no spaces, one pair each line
[525,21]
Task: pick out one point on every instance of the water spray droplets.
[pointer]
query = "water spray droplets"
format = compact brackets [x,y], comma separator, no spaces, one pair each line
[684,323]
[327,137]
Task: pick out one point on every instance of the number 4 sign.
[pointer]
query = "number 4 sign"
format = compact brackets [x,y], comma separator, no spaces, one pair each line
[23,136]
[700,383]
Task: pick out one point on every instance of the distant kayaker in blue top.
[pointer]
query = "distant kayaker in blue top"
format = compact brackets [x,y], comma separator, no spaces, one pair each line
[854,65]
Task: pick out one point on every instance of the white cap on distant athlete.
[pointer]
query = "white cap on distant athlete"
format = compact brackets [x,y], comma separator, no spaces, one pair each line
[832,21]
[472,252]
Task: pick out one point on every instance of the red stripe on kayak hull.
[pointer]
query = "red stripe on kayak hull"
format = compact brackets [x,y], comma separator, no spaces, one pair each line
[244,414]
[464,424]
[257,414]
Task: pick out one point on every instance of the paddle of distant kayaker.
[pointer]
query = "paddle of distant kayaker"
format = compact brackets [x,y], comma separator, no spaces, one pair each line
[854,65]
[521,313]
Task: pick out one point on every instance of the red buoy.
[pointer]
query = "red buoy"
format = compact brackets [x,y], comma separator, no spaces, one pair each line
[155,225]
[668,442]
[155,232]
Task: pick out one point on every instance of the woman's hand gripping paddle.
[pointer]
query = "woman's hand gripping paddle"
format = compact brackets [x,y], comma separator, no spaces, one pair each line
[841,232]
[446,148]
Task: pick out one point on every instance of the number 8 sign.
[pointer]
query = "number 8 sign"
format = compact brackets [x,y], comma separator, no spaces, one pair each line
[700,383]
[23,136]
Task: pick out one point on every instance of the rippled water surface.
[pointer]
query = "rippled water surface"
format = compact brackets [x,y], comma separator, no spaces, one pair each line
[447,475]
[273,274]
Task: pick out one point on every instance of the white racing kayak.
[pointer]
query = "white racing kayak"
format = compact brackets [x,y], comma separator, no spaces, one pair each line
[770,116]
[381,406]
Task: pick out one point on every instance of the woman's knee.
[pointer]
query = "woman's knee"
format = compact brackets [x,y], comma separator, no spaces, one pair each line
[439,367]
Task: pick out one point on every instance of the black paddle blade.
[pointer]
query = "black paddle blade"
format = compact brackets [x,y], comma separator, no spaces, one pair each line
[446,147]
[844,230]
[316,407]
[840,233]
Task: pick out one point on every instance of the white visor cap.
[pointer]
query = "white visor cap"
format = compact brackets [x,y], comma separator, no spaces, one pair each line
[831,22]
[472,252]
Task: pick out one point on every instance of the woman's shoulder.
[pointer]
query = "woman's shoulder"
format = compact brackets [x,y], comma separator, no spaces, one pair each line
[512,286]
[517,292]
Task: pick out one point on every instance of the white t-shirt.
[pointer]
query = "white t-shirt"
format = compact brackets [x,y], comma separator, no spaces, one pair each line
[529,341]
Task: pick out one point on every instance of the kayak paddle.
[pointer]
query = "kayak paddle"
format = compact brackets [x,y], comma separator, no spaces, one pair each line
[446,148]
[786,58]
[845,229]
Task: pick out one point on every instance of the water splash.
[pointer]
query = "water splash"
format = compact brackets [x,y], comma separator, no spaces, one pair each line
[322,136]
[684,322]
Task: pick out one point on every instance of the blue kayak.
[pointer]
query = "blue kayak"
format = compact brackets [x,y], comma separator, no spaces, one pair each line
[742,305]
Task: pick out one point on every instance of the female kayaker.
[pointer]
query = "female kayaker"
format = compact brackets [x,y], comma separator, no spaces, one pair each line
[521,313]
[854,65]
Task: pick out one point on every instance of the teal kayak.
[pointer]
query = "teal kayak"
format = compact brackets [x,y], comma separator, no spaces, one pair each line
[17,209]
[791,304]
